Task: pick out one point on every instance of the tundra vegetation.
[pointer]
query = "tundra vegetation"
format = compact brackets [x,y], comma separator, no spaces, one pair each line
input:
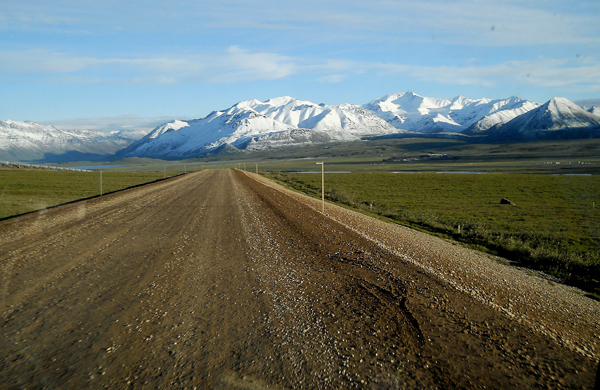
[553,224]
[26,190]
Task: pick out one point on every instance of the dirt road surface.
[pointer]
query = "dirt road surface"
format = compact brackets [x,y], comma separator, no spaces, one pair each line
[218,279]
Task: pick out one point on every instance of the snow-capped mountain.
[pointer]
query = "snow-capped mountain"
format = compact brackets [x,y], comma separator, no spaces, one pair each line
[181,139]
[255,125]
[502,111]
[29,141]
[286,121]
[413,112]
[302,114]
[558,115]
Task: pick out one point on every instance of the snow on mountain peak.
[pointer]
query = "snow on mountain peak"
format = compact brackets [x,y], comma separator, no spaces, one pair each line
[247,122]
[559,113]
[556,114]
[459,102]
[558,105]
[281,101]
[173,125]
[245,104]
[425,114]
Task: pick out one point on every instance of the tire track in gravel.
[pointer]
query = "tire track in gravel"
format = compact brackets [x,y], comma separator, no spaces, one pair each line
[214,280]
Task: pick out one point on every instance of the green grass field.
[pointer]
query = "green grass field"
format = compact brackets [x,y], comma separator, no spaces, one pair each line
[553,225]
[544,157]
[25,190]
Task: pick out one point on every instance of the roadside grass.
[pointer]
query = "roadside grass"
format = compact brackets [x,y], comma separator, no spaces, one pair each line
[26,190]
[552,226]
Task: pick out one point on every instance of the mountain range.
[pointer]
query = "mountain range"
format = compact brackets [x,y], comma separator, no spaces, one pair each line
[286,121]
[253,125]
[416,113]
[30,141]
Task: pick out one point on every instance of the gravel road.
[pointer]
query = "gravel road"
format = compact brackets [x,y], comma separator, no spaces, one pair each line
[221,279]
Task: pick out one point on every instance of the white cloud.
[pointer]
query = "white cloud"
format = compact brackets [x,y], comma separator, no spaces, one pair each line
[464,22]
[240,65]
[542,73]
[42,61]
[233,65]
[332,78]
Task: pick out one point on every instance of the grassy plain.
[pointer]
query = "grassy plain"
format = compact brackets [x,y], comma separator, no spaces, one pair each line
[549,157]
[553,225]
[25,190]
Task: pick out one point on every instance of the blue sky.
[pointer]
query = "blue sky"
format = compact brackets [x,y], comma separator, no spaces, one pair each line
[111,64]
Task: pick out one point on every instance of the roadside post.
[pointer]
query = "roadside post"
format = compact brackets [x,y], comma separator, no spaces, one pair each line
[322,164]
[100,183]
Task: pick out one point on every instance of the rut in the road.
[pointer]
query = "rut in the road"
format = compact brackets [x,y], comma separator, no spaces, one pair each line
[313,266]
[395,302]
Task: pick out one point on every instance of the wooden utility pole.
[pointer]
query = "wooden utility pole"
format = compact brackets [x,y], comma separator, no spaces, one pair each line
[322,164]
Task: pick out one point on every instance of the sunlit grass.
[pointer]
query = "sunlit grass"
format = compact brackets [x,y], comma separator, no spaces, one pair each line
[552,226]
[25,190]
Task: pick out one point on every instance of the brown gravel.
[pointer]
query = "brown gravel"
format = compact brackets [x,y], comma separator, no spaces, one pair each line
[560,312]
[216,280]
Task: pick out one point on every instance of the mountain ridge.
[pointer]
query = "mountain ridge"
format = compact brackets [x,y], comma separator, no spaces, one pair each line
[557,119]
[413,112]
[286,121]
[261,125]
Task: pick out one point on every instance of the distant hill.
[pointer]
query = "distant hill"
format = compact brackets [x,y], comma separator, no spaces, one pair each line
[30,141]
